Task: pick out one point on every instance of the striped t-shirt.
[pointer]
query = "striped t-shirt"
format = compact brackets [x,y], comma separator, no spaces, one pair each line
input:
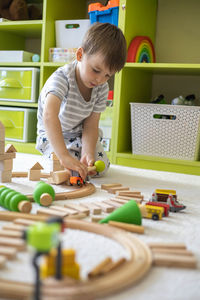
[74,109]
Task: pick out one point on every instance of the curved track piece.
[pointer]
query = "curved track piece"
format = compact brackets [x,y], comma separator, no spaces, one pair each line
[129,273]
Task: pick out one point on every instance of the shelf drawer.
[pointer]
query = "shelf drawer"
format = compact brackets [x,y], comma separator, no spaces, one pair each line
[20,123]
[19,84]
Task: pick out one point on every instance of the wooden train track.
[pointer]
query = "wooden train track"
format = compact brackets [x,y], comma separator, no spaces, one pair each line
[125,275]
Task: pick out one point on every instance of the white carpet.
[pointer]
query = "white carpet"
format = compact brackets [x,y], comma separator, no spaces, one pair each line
[160,283]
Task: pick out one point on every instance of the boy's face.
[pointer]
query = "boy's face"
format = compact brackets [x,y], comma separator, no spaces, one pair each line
[92,69]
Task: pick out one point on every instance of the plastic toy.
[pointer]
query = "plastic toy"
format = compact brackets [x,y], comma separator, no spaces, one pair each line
[127,213]
[13,200]
[76,180]
[99,166]
[43,237]
[164,205]
[140,50]
[178,101]
[43,194]
[152,212]
[169,197]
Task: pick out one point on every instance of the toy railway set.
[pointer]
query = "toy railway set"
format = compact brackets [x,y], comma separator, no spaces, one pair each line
[118,215]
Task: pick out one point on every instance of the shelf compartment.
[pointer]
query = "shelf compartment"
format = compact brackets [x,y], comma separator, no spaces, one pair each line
[24,147]
[166,68]
[27,29]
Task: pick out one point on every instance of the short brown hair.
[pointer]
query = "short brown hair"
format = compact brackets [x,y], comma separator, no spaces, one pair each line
[109,40]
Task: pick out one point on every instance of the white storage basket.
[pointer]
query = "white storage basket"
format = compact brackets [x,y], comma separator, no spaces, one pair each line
[155,135]
[69,33]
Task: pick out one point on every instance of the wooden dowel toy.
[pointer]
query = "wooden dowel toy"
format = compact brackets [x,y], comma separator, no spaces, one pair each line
[8,252]
[97,270]
[128,227]
[172,260]
[107,186]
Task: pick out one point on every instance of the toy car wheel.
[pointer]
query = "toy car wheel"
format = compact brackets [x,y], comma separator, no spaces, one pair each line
[78,182]
[155,217]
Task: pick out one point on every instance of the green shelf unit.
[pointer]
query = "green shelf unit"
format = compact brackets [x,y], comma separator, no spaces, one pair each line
[139,82]
[19,104]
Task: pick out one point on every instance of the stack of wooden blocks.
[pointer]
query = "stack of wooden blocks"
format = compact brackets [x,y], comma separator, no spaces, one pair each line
[6,157]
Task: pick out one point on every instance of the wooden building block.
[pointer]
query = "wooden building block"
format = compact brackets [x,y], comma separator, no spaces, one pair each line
[97,270]
[51,212]
[108,186]
[34,175]
[114,190]
[78,207]
[5,176]
[175,261]
[3,261]
[7,156]
[172,251]
[68,211]
[113,203]
[61,176]
[19,244]
[10,233]
[128,227]
[2,146]
[2,132]
[105,207]
[131,194]
[96,219]
[138,200]
[23,222]
[12,215]
[77,216]
[16,227]
[9,252]
[94,209]
[6,165]
[167,245]
[112,266]
[9,148]
[122,201]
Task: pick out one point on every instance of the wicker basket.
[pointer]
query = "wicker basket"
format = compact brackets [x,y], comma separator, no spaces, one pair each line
[165,130]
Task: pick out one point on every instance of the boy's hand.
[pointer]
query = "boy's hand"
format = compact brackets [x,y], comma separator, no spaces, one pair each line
[72,163]
[89,161]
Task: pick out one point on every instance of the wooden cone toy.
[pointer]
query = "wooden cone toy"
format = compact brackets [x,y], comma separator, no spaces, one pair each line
[127,213]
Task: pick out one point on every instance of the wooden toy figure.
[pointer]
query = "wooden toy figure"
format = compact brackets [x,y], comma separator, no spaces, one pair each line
[43,194]
[14,201]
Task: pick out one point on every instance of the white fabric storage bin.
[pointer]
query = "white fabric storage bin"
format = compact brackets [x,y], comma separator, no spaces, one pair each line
[155,134]
[69,33]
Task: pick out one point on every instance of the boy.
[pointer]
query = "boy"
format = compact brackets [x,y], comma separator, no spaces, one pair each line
[72,99]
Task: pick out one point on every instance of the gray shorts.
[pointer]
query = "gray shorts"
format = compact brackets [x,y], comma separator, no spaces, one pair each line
[74,146]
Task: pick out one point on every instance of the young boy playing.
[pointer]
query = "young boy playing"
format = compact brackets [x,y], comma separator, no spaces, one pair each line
[72,99]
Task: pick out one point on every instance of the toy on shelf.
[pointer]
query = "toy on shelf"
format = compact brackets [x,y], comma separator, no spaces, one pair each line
[159,100]
[168,197]
[14,201]
[141,50]
[188,100]
[44,194]
[104,14]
